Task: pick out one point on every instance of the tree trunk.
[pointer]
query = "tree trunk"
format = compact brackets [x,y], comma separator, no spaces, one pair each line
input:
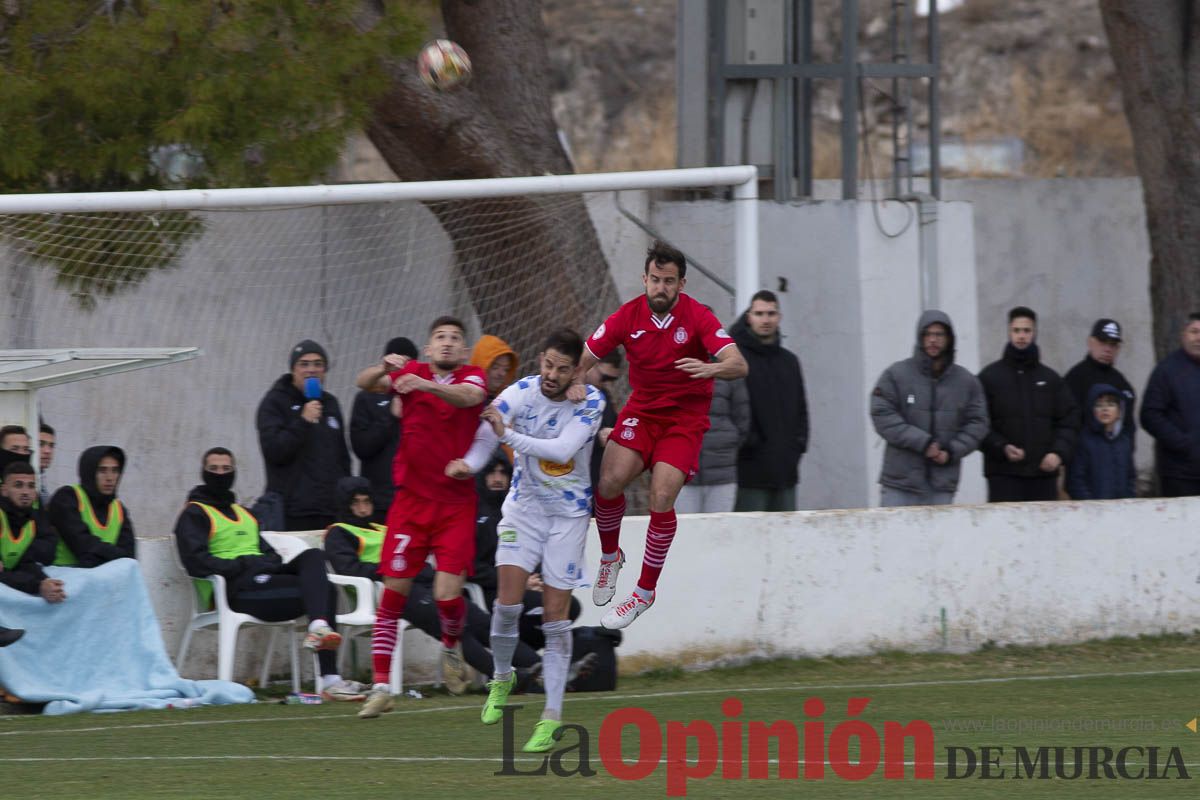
[1156,49]
[542,267]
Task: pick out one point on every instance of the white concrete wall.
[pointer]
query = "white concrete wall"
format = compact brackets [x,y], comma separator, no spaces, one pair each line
[852,582]
[815,583]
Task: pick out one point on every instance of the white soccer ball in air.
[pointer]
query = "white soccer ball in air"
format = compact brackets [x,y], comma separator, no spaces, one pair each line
[443,65]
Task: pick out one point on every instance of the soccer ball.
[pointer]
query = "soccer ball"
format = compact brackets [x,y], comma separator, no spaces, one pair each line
[443,65]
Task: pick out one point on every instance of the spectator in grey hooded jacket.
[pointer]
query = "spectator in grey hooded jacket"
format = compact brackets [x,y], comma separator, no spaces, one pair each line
[932,413]
[714,488]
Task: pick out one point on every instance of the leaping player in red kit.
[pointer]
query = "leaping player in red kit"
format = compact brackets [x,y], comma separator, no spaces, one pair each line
[671,341]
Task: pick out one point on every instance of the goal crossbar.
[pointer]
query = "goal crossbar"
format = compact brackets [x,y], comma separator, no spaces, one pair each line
[743,180]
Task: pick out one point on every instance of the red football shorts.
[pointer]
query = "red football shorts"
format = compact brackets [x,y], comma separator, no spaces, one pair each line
[672,439]
[418,526]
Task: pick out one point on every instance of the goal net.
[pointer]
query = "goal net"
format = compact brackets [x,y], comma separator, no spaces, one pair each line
[245,274]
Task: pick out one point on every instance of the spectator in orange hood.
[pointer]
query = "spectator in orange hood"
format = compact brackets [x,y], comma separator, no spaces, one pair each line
[493,355]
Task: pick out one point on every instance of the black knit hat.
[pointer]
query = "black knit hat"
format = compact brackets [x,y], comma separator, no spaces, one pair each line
[304,348]
[401,346]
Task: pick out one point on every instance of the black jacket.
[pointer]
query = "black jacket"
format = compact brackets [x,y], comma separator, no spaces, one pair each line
[304,460]
[341,547]
[64,513]
[192,529]
[770,457]
[374,437]
[1090,372]
[1102,468]
[1171,414]
[608,419]
[27,575]
[487,517]
[1029,406]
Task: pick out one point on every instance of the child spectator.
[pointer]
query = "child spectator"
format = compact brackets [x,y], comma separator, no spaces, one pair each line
[1102,468]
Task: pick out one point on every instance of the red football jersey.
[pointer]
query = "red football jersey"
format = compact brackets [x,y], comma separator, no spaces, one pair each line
[652,346]
[433,433]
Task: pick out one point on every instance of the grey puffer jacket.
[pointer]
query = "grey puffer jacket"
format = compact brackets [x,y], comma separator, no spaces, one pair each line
[911,408]
[729,416]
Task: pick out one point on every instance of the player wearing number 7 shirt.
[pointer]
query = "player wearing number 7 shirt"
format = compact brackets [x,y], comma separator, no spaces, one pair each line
[441,445]
[675,347]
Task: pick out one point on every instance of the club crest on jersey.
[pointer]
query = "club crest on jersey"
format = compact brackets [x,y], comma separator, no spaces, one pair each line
[721,334]
[681,336]
[599,334]
[627,433]
[399,562]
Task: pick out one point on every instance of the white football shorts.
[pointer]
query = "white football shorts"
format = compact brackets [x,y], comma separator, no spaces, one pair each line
[528,539]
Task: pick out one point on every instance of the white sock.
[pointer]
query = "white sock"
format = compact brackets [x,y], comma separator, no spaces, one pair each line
[556,663]
[317,624]
[380,687]
[331,680]
[613,556]
[645,594]
[506,620]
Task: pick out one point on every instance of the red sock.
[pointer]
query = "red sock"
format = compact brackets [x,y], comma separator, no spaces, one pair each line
[383,636]
[608,521]
[658,541]
[452,614]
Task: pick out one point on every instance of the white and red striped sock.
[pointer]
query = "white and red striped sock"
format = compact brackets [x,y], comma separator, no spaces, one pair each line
[383,635]
[609,513]
[659,536]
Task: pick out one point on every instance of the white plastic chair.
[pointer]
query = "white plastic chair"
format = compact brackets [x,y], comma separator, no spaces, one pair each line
[228,623]
[359,620]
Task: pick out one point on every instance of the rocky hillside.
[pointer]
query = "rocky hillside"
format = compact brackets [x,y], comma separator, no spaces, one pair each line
[1032,75]
[1032,71]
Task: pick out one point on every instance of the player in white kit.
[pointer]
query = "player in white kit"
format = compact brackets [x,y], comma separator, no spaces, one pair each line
[544,520]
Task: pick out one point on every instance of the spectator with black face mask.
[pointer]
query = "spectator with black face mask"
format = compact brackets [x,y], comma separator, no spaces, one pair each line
[216,536]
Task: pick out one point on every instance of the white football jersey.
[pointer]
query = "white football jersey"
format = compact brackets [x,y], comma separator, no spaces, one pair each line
[553,445]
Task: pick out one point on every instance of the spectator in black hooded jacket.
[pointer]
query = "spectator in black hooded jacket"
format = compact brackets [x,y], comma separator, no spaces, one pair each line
[303,441]
[93,525]
[375,435]
[769,461]
[1034,418]
[352,544]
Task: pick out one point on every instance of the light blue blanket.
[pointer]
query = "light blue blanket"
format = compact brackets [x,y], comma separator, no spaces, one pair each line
[100,650]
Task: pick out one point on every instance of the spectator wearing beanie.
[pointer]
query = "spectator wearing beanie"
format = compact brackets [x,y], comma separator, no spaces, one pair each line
[302,435]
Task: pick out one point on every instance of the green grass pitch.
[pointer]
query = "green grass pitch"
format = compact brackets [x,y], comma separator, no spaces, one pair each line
[1115,694]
